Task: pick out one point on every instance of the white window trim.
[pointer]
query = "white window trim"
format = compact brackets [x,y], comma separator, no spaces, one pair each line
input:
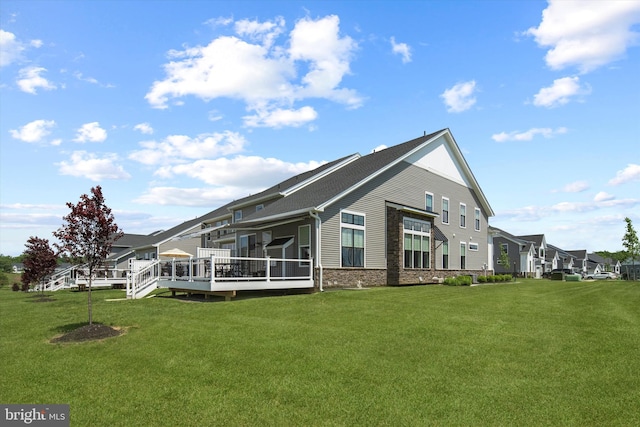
[460,215]
[416,233]
[477,213]
[356,227]
[466,248]
[237,215]
[433,201]
[300,247]
[471,246]
[448,210]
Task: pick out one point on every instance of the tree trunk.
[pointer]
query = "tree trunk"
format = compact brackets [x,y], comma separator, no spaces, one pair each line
[89,299]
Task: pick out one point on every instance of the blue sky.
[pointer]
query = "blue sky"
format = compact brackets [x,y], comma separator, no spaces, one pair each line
[175,108]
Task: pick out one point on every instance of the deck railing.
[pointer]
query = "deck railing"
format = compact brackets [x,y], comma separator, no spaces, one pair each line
[219,270]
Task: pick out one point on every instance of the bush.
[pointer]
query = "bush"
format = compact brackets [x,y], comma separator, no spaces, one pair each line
[15,287]
[507,277]
[482,279]
[25,287]
[450,281]
[458,281]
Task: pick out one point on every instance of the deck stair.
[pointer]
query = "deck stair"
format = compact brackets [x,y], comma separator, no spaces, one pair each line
[141,282]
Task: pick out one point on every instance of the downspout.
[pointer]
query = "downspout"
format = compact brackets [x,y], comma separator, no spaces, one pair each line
[318,262]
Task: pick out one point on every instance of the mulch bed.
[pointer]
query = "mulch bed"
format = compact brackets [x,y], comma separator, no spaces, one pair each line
[92,332]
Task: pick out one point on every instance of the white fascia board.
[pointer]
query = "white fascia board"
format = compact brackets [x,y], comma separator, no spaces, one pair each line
[276,216]
[468,172]
[318,176]
[379,172]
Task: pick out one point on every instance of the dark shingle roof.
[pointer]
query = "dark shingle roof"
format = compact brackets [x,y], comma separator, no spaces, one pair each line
[331,185]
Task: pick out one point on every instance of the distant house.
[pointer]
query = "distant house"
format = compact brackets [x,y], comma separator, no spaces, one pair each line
[598,264]
[523,252]
[580,261]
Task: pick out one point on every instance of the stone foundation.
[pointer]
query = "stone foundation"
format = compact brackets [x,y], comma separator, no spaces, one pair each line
[367,278]
[352,277]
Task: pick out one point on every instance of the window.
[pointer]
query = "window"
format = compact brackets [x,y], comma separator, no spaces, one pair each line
[237,216]
[352,239]
[304,242]
[473,246]
[445,210]
[505,247]
[463,215]
[417,243]
[428,203]
[463,255]
[477,219]
[259,207]
[445,255]
[247,245]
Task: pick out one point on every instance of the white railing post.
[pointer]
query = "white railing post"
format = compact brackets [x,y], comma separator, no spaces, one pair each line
[213,271]
[267,270]
[190,269]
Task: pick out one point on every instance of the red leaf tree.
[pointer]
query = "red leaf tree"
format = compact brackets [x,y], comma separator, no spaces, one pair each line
[87,234]
[39,262]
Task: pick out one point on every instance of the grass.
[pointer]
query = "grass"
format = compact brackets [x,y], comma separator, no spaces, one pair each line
[532,353]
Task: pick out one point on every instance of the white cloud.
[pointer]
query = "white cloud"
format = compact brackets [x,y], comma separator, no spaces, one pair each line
[528,135]
[178,148]
[586,34]
[560,92]
[262,32]
[259,72]
[576,187]
[91,132]
[10,48]
[189,196]
[30,80]
[603,196]
[144,128]
[630,173]
[90,166]
[280,118]
[34,131]
[240,171]
[401,49]
[460,97]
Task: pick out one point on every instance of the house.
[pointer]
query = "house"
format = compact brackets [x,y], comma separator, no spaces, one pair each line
[401,215]
[566,261]
[408,214]
[598,264]
[580,261]
[523,254]
[539,242]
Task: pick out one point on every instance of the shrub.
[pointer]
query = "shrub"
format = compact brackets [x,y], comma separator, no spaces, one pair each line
[507,277]
[450,281]
[482,279]
[15,287]
[25,287]
[458,281]
[465,280]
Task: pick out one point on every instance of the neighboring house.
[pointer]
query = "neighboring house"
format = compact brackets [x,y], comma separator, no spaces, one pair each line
[580,261]
[17,268]
[523,254]
[598,264]
[630,269]
[401,215]
[540,254]
[565,259]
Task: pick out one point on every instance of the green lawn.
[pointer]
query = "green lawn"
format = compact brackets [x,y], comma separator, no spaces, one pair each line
[531,353]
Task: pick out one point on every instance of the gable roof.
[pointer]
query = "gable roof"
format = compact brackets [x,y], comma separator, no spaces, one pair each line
[354,172]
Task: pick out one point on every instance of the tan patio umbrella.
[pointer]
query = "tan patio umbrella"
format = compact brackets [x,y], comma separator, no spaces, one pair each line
[175,253]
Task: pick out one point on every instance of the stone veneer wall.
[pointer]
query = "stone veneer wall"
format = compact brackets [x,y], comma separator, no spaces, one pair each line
[395,274]
[352,277]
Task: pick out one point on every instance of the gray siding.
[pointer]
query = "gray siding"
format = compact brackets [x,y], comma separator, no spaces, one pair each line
[406,184]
